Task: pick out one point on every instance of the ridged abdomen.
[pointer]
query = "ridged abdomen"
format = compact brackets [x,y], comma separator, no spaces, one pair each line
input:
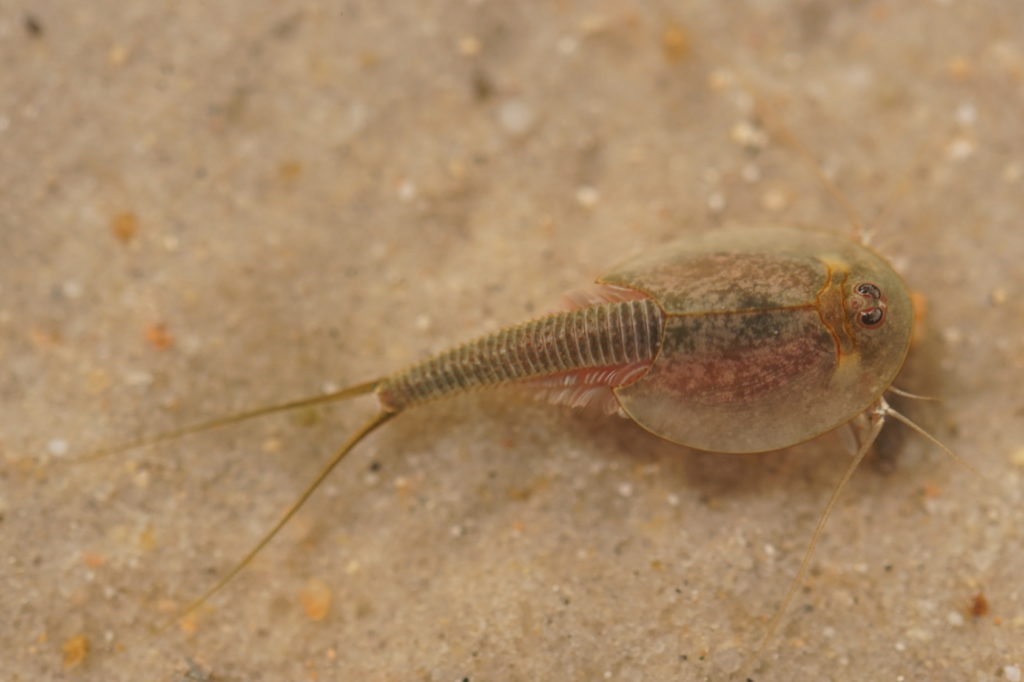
[605,335]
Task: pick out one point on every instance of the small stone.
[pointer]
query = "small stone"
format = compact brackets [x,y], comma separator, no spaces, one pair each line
[587,196]
[959,67]
[567,45]
[515,116]
[716,202]
[749,136]
[676,43]
[71,289]
[720,79]
[774,200]
[959,148]
[75,650]
[125,226]
[953,335]
[58,447]
[158,336]
[117,55]
[407,190]
[469,46]
[138,377]
[316,599]
[966,114]
[751,173]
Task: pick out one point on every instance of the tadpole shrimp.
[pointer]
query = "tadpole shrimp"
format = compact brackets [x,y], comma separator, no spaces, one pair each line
[742,340]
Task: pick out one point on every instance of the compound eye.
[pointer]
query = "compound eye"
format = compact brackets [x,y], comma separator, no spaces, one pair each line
[872,317]
[868,289]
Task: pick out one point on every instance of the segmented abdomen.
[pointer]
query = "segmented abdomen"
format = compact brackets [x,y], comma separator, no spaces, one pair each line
[606,335]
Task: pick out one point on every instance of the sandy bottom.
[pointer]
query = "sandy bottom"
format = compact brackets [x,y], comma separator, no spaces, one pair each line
[210,206]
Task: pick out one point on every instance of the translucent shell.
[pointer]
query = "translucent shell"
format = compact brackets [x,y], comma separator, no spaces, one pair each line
[770,337]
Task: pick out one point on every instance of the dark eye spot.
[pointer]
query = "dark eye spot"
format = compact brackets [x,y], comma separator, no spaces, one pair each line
[868,289]
[872,317]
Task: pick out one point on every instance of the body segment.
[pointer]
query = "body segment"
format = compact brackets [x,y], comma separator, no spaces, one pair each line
[612,336]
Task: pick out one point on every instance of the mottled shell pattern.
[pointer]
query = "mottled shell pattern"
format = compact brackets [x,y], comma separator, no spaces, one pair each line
[772,336]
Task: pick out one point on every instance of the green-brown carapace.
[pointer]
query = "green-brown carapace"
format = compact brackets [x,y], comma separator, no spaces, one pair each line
[770,337]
